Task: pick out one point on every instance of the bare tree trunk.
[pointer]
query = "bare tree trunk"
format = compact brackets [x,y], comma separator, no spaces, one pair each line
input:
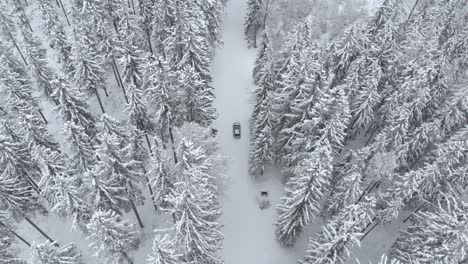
[15,234]
[40,230]
[370,230]
[136,214]
[120,79]
[133,7]
[148,36]
[99,100]
[17,48]
[43,117]
[105,91]
[150,189]
[115,74]
[64,12]
[149,144]
[173,145]
[127,257]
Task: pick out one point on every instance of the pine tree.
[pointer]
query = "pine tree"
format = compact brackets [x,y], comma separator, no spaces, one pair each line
[87,72]
[437,235]
[304,194]
[18,10]
[255,20]
[196,230]
[262,153]
[8,29]
[198,97]
[16,163]
[163,19]
[59,185]
[146,19]
[80,146]
[17,198]
[333,243]
[213,11]
[264,61]
[161,178]
[195,208]
[37,64]
[56,33]
[17,88]
[160,86]
[7,254]
[162,252]
[112,237]
[48,253]
[113,176]
[188,45]
[72,107]
[332,115]
[117,178]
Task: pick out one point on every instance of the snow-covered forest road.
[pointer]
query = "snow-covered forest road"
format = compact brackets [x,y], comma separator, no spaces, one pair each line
[249,231]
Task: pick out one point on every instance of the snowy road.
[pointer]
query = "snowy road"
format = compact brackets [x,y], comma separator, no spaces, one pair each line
[249,231]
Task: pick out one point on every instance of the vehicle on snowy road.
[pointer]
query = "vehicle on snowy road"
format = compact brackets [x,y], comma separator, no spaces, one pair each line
[236,129]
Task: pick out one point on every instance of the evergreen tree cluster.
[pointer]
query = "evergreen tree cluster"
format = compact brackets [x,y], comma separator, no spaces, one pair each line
[374,119]
[158,55]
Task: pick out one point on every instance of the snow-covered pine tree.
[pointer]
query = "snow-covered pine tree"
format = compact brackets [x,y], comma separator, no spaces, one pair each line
[444,173]
[20,13]
[213,162]
[131,62]
[72,107]
[56,33]
[131,34]
[265,59]
[196,232]
[332,245]
[17,88]
[262,152]
[88,72]
[16,163]
[163,251]
[49,253]
[8,29]
[198,97]
[60,186]
[332,116]
[145,20]
[17,197]
[109,125]
[213,11]
[163,20]
[22,107]
[161,178]
[188,45]
[437,235]
[116,180]
[304,194]
[80,147]
[7,253]
[138,112]
[160,84]
[112,237]
[37,64]
[255,20]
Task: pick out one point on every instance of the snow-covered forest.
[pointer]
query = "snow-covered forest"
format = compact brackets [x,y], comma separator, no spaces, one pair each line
[117,142]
